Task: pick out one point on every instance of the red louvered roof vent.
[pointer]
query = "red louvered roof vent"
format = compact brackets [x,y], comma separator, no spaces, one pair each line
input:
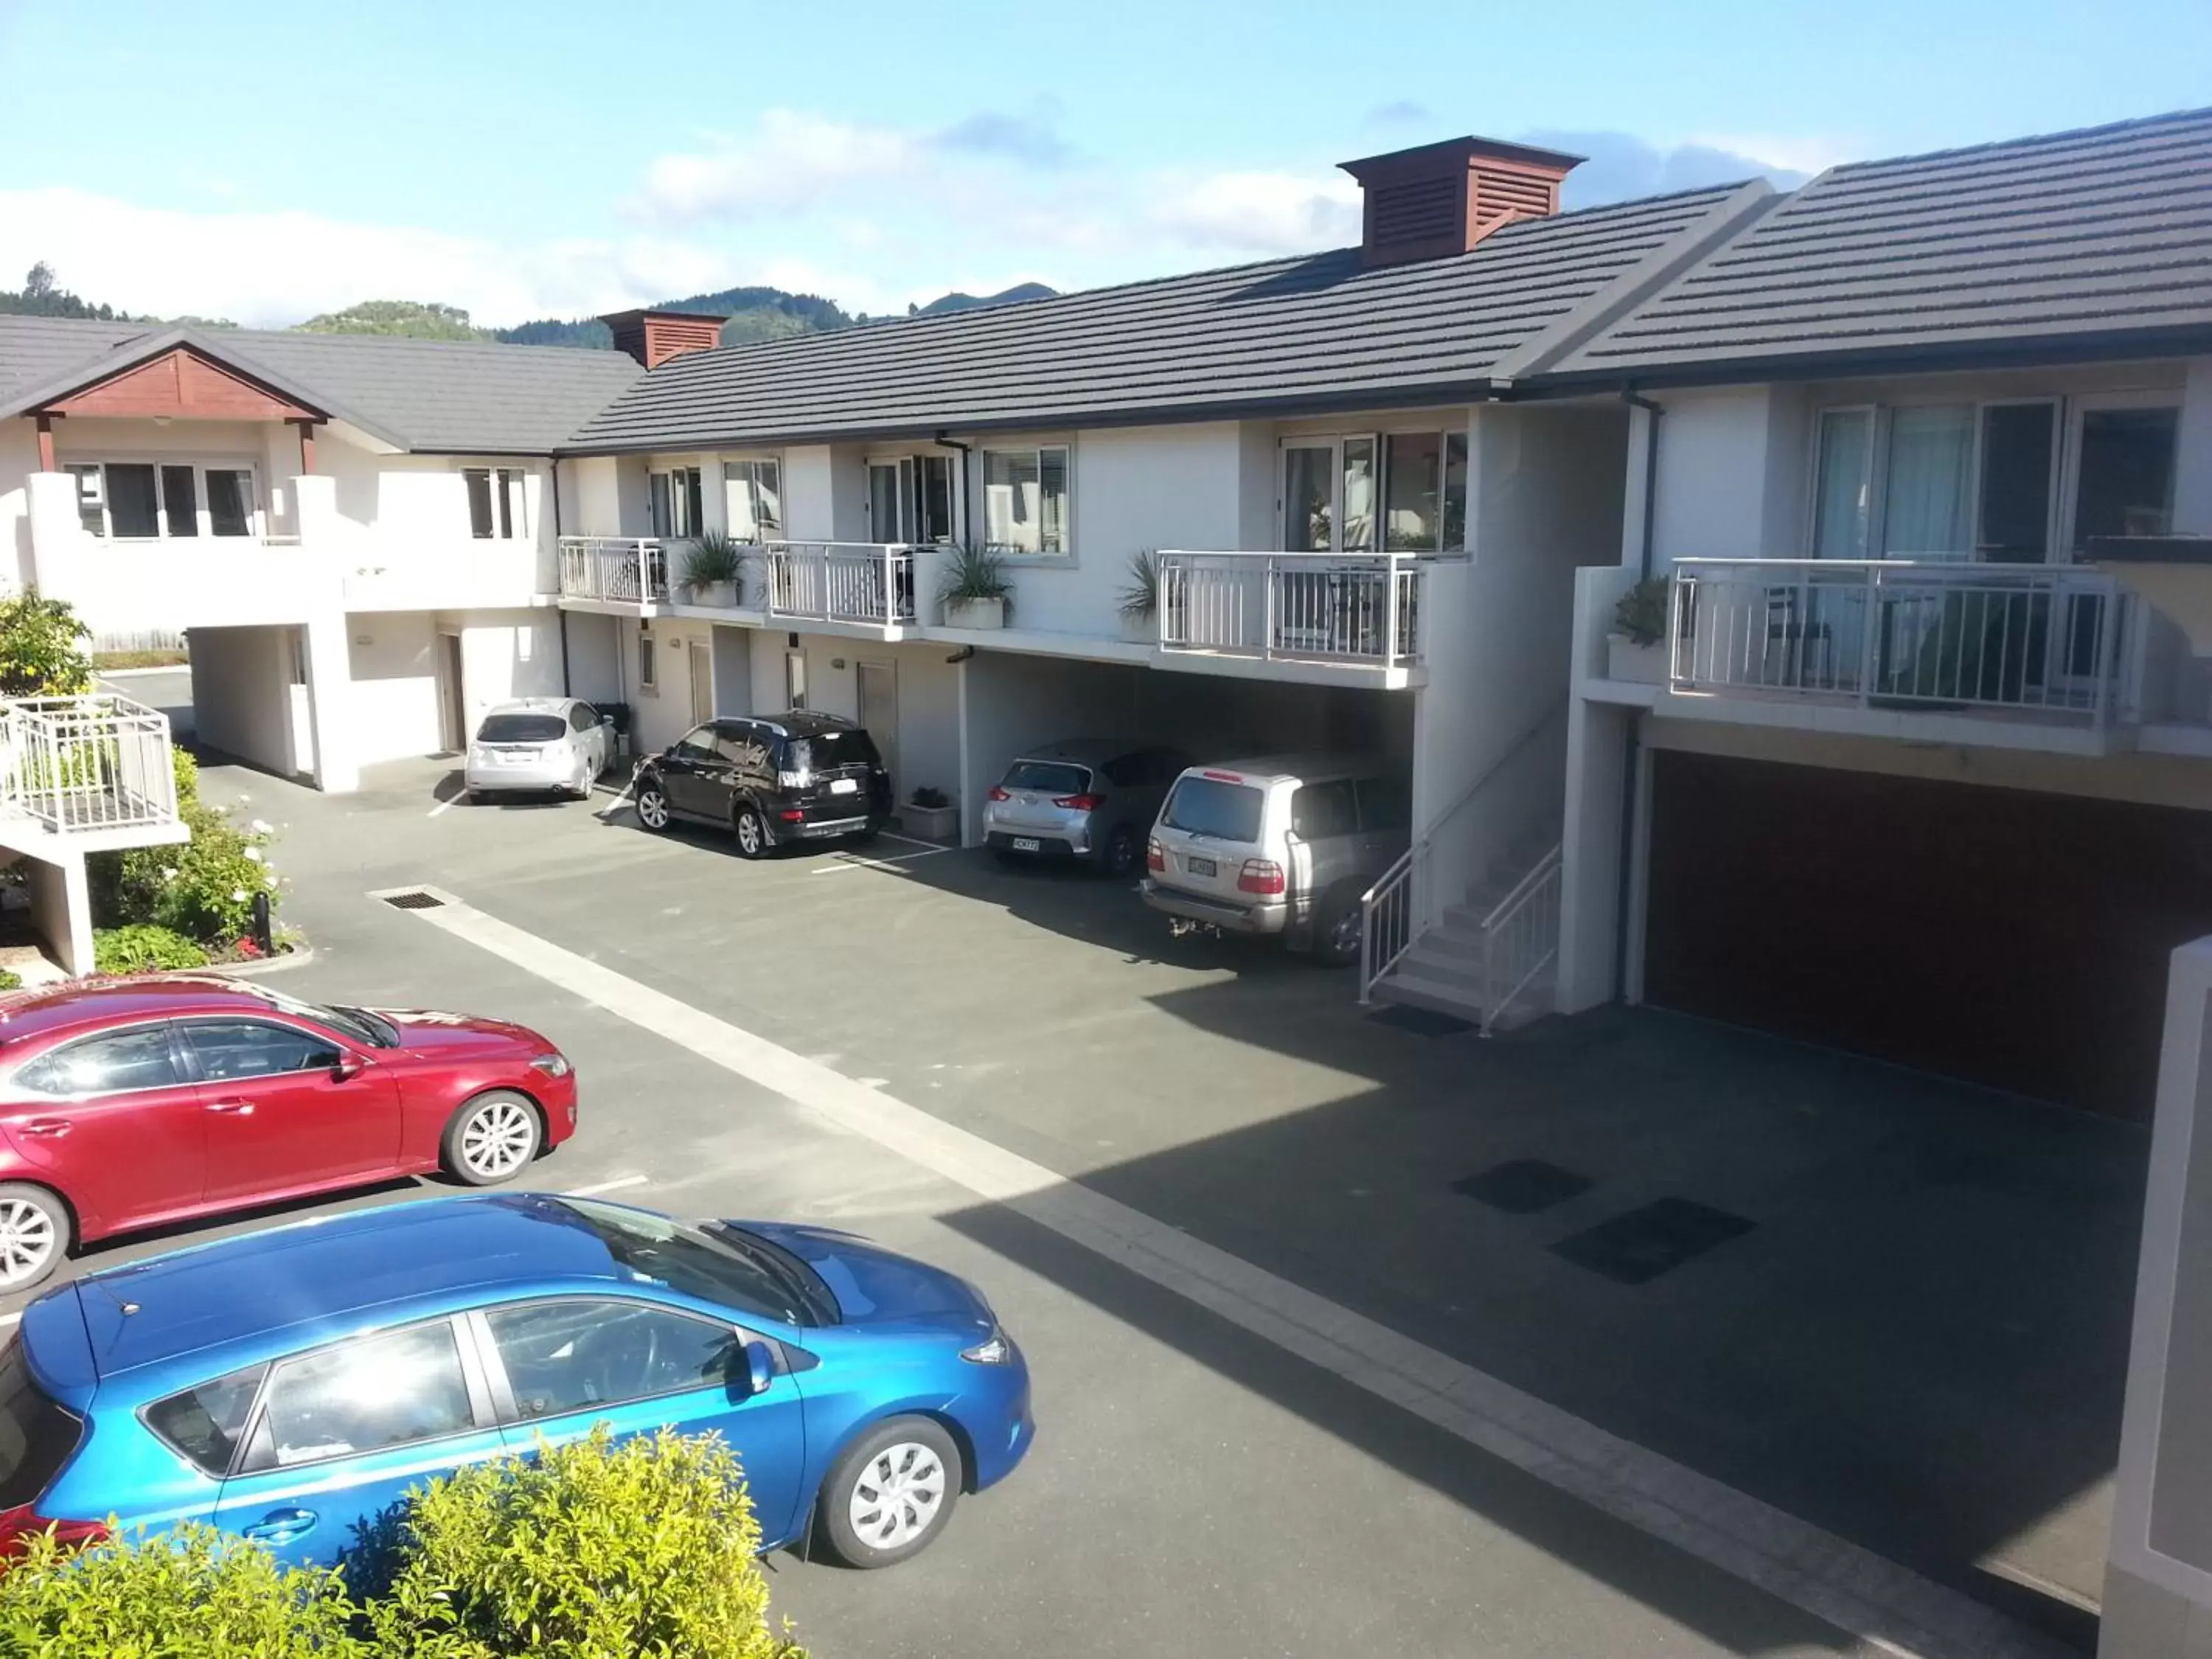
[1441,199]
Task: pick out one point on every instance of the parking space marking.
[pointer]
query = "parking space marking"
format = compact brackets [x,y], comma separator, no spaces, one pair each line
[15,1318]
[599,1186]
[622,795]
[893,834]
[890,861]
[1887,1606]
[447,804]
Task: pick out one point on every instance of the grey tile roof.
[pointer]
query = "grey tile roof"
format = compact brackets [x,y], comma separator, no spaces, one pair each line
[2074,240]
[1320,328]
[434,395]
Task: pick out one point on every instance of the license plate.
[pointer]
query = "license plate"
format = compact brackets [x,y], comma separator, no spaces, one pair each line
[1028,844]
[844,786]
[1201,866]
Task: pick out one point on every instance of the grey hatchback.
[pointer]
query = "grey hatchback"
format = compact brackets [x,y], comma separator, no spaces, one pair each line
[1088,798]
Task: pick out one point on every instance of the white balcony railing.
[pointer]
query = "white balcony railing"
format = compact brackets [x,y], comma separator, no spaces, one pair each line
[79,764]
[866,582]
[1303,607]
[2034,639]
[621,569]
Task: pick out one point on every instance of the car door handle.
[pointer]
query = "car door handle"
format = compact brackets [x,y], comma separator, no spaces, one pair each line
[282,1526]
[231,1108]
[47,1128]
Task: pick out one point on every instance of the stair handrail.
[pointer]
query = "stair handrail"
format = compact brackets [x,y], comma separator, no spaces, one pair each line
[1540,884]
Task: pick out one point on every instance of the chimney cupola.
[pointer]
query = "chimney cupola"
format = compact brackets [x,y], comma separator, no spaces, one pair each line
[653,337]
[1437,200]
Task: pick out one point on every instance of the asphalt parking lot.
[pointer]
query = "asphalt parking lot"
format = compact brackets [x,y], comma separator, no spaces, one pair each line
[1196,1486]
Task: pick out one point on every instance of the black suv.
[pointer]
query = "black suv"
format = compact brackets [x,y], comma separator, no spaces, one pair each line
[770,779]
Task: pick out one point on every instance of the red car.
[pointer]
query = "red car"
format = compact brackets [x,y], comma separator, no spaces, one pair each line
[127,1103]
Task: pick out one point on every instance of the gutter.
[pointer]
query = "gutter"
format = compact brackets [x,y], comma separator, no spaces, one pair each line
[553,483]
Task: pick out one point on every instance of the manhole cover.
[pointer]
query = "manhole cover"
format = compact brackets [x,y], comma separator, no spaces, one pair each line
[1638,1247]
[1522,1186]
[413,900]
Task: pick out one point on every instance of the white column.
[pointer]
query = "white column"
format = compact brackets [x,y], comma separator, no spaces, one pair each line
[1596,794]
[329,670]
[59,543]
[61,908]
[2192,482]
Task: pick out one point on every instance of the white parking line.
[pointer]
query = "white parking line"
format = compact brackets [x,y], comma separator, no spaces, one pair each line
[621,795]
[854,861]
[893,834]
[614,1186]
[1885,1604]
[447,804]
[15,1318]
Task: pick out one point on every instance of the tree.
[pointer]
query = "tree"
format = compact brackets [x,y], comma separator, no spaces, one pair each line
[40,282]
[42,296]
[42,651]
[417,319]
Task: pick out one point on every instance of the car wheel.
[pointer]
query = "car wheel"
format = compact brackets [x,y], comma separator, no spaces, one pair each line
[491,1139]
[1119,859]
[751,832]
[652,806]
[889,1494]
[35,1234]
[1337,936]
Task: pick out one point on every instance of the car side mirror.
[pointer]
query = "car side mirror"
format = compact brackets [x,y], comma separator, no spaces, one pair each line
[346,1067]
[760,1368]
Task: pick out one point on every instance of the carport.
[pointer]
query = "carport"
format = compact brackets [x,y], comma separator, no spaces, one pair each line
[253,696]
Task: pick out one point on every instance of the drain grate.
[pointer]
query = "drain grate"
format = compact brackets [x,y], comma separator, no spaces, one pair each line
[1637,1247]
[413,900]
[1522,1186]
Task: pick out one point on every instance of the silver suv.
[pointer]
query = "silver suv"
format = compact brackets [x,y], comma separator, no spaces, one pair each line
[1282,845]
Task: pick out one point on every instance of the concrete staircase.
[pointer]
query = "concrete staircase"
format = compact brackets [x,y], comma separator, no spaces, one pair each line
[1443,971]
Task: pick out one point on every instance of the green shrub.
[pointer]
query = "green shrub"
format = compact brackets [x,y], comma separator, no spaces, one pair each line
[191,1593]
[10,980]
[1641,612]
[187,773]
[42,651]
[143,948]
[588,1549]
[204,889]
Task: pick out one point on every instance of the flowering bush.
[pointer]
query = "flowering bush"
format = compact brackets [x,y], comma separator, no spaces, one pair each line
[204,889]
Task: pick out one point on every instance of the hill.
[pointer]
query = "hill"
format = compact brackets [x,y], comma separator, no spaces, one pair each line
[1005,297]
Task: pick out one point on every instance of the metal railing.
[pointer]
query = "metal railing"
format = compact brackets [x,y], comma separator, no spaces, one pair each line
[75,765]
[621,569]
[870,582]
[1520,937]
[1300,607]
[2041,639]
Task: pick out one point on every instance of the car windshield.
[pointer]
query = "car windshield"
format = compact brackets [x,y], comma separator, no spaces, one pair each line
[724,1266]
[827,750]
[521,728]
[1048,777]
[358,1023]
[1207,807]
[36,1435]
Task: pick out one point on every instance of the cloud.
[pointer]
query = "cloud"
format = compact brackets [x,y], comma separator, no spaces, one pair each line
[1029,139]
[1622,166]
[1402,112]
[1262,212]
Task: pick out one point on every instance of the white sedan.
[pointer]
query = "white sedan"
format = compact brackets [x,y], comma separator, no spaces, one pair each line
[540,743]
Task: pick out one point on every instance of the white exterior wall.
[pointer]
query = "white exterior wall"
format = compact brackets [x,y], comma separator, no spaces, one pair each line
[19,459]
[392,665]
[241,684]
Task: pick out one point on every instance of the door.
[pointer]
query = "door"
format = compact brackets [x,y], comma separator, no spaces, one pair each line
[692,774]
[452,709]
[563,1364]
[878,694]
[300,703]
[341,1433]
[702,658]
[889,490]
[116,1118]
[287,1108]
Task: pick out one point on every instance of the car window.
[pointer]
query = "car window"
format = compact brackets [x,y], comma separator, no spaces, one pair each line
[1207,807]
[139,1058]
[1048,777]
[204,1423]
[1321,811]
[583,717]
[742,746]
[374,1392]
[228,1050]
[827,750]
[572,1355]
[521,728]
[1125,771]
[1386,804]
[698,743]
[1164,765]
[37,1436]
[663,1251]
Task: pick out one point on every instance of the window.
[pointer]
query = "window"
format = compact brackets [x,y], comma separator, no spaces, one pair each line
[697,744]
[204,1423]
[583,717]
[1843,485]
[794,679]
[648,677]
[1386,804]
[495,502]
[2124,486]
[1320,812]
[1051,777]
[1929,506]
[167,501]
[745,746]
[365,1395]
[1025,499]
[521,728]
[1207,807]
[234,1051]
[723,1266]
[677,504]
[571,1355]
[139,1058]
[37,1436]
[828,750]
[1404,491]
[752,497]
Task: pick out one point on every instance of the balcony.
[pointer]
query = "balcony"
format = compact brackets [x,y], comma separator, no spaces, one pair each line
[1343,610]
[93,771]
[2042,645]
[863,584]
[614,569]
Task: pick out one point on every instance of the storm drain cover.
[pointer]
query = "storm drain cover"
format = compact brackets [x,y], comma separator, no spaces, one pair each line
[1522,1186]
[1421,1022]
[1638,1247]
[413,900]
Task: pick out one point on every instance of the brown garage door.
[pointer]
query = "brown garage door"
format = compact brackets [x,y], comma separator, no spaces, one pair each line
[2012,939]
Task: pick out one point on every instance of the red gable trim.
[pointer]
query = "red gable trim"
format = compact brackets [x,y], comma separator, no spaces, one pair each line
[184,384]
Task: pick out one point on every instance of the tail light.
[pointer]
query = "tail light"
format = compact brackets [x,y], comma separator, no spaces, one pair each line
[998,793]
[1079,803]
[1154,858]
[1259,876]
[792,815]
[23,1523]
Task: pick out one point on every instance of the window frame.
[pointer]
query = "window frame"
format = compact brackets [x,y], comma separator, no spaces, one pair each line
[475,1374]
[181,1040]
[1036,452]
[1378,440]
[179,1061]
[506,502]
[747,470]
[203,528]
[145,1416]
[648,666]
[684,496]
[2071,441]
[505,1407]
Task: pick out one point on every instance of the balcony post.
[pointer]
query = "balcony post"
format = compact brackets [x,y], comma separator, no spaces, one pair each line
[890,587]
[1271,576]
[1390,604]
[1870,628]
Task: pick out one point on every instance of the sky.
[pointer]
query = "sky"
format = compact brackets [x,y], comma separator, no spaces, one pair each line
[532,158]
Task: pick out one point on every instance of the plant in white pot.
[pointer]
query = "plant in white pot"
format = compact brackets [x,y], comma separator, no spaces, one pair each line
[930,815]
[1140,604]
[713,568]
[1636,648]
[976,593]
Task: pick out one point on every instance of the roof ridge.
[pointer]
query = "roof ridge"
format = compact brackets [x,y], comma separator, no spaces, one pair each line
[2029,141]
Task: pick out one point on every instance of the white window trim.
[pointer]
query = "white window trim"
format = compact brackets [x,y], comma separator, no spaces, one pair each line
[1380,437]
[672,471]
[648,656]
[1034,446]
[907,463]
[723,462]
[521,514]
[2069,432]
[256,521]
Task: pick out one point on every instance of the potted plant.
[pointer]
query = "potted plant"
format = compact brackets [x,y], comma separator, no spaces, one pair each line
[712,568]
[1140,603]
[931,816]
[976,593]
[1635,649]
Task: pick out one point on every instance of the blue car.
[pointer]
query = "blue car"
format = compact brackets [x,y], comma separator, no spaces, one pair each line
[291,1383]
